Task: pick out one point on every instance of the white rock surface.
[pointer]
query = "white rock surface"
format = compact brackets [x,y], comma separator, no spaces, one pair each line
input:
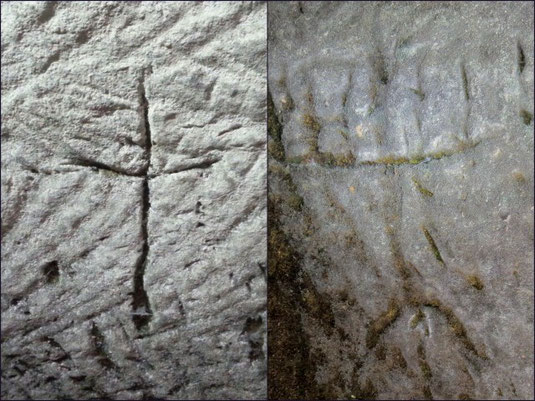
[133,200]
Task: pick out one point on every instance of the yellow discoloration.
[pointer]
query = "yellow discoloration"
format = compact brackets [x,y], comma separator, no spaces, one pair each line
[475,282]
[390,160]
[378,326]
[275,149]
[421,189]
[417,318]
[358,130]
[311,122]
[519,177]
[432,245]
[295,202]
[352,189]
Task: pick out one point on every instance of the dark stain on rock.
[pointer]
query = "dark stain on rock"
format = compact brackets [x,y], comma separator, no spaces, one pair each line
[526,116]
[521,58]
[99,347]
[51,272]
[275,146]
[292,362]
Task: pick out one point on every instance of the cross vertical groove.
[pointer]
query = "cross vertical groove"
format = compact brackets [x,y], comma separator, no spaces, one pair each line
[141,310]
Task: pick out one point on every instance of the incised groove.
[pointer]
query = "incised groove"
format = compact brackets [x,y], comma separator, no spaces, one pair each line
[141,310]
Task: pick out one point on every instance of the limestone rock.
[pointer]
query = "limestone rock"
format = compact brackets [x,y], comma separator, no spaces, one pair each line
[401,176]
[133,200]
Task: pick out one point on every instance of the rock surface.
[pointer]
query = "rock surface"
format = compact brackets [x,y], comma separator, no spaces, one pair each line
[133,200]
[401,200]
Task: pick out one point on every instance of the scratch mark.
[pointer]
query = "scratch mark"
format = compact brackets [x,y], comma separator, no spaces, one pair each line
[466,88]
[142,312]
[521,58]
[433,245]
[48,12]
[202,165]
[378,326]
[421,188]
[229,129]
[49,61]
[83,161]
[99,346]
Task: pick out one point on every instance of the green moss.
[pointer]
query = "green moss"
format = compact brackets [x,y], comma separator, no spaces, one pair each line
[317,305]
[396,160]
[295,202]
[426,369]
[456,326]
[279,170]
[419,93]
[440,155]
[309,98]
[275,147]
[275,150]
[296,159]
[417,318]
[389,160]
[292,366]
[313,147]
[421,189]
[526,116]
[311,122]
[400,263]
[366,392]
[393,160]
[345,160]
[422,361]
[416,159]
[519,177]
[274,125]
[107,173]
[398,360]
[344,134]
[287,103]
[378,326]
[465,83]
[433,245]
[329,159]
[380,352]
[464,396]
[475,282]
[285,261]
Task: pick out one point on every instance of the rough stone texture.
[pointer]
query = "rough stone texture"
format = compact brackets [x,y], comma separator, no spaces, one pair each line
[401,200]
[133,200]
